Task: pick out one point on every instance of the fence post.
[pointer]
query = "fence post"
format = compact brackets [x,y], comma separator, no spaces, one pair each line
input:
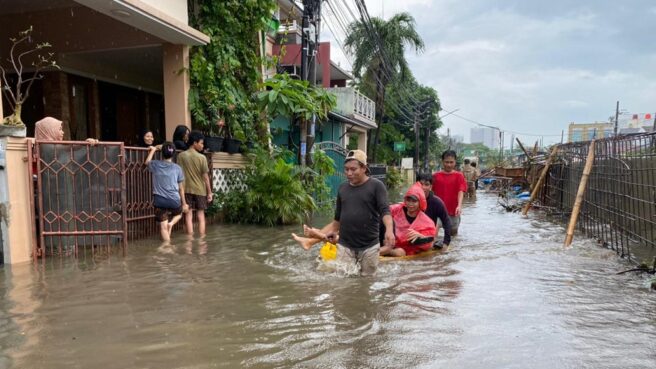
[580,193]
[538,184]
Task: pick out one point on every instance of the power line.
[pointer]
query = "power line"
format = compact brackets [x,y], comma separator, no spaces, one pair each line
[503,130]
[404,104]
[339,12]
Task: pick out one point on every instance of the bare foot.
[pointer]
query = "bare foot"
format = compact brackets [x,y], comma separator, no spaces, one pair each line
[312,232]
[305,242]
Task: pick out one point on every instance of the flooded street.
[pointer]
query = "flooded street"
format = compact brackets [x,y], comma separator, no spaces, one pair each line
[507,295]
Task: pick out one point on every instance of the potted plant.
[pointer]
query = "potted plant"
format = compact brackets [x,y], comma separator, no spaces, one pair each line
[215,143]
[232,142]
[38,61]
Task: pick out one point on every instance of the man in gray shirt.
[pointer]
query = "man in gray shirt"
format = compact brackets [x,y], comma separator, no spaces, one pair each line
[361,202]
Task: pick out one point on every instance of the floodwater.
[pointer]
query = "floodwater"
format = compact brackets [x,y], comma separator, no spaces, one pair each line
[506,296]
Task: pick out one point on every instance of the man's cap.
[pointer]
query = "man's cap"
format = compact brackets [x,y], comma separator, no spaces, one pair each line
[358,155]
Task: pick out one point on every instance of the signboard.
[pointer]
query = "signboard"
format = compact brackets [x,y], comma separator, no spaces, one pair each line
[399,146]
[407,163]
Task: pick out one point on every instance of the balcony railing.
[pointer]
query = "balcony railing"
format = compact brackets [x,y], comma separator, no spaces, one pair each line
[351,103]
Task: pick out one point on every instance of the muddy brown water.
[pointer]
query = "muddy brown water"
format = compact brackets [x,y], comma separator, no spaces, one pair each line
[506,296]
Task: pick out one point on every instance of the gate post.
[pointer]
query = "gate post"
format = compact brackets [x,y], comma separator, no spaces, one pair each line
[15,193]
[124,198]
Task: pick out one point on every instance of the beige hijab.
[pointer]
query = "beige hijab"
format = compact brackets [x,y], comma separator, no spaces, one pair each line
[48,129]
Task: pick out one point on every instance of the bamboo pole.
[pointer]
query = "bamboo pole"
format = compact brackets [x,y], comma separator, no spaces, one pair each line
[580,194]
[538,184]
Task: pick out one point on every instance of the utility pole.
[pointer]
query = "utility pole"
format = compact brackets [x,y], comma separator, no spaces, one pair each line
[309,46]
[428,132]
[500,145]
[448,137]
[617,116]
[416,163]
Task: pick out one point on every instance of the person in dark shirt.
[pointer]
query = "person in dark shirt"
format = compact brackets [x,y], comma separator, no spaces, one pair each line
[181,137]
[360,204]
[436,208]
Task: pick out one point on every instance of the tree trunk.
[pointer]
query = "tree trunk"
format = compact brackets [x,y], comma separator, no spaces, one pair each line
[15,118]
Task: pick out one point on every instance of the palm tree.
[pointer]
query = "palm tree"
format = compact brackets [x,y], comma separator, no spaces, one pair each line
[375,67]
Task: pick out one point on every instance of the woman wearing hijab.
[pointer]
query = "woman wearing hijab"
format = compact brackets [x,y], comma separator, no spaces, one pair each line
[413,229]
[181,137]
[59,191]
[146,138]
[50,129]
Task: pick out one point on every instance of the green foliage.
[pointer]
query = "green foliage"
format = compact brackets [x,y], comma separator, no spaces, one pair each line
[394,179]
[353,141]
[289,97]
[277,192]
[396,34]
[314,179]
[224,74]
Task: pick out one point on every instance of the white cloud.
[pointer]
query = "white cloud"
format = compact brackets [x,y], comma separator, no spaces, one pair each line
[531,66]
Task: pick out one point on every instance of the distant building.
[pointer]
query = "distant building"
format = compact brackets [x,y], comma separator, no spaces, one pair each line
[486,136]
[587,131]
[457,139]
[635,120]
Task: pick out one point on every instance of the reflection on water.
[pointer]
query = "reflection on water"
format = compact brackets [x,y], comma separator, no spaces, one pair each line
[506,296]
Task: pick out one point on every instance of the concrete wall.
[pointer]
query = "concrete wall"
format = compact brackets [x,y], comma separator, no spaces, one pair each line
[173,8]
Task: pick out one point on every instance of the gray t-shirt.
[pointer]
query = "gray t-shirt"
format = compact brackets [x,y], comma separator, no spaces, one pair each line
[358,211]
[166,179]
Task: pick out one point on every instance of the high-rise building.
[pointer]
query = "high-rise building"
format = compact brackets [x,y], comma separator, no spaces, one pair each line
[486,136]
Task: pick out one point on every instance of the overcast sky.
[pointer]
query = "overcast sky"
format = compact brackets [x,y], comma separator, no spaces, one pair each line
[530,66]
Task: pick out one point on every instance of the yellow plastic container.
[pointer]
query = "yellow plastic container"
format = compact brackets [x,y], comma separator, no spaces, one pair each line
[328,251]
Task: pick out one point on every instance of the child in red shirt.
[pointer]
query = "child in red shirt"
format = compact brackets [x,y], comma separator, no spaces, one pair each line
[450,186]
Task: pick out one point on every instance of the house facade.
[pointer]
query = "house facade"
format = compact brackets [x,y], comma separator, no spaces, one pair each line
[122,70]
[349,123]
[120,60]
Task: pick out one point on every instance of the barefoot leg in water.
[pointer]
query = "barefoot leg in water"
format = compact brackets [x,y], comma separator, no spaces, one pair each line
[305,242]
[312,232]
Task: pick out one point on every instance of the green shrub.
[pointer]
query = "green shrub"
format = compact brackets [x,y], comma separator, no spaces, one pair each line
[394,179]
[275,193]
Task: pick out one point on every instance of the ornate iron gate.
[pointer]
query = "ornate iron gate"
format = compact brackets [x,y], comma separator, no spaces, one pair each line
[81,196]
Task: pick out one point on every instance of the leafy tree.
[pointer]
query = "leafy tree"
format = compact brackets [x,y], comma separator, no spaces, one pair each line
[289,97]
[376,68]
[225,74]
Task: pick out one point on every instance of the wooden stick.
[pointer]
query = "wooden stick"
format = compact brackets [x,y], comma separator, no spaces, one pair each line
[538,184]
[535,148]
[580,194]
[529,157]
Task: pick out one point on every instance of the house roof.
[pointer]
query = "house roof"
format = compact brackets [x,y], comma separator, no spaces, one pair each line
[142,16]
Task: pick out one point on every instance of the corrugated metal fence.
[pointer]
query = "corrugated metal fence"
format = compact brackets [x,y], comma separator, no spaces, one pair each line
[619,208]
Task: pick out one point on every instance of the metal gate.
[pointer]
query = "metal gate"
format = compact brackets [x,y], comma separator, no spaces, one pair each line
[337,153]
[81,196]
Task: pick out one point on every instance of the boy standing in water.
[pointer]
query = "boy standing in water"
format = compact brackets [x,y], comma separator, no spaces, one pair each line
[450,186]
[168,189]
[198,190]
